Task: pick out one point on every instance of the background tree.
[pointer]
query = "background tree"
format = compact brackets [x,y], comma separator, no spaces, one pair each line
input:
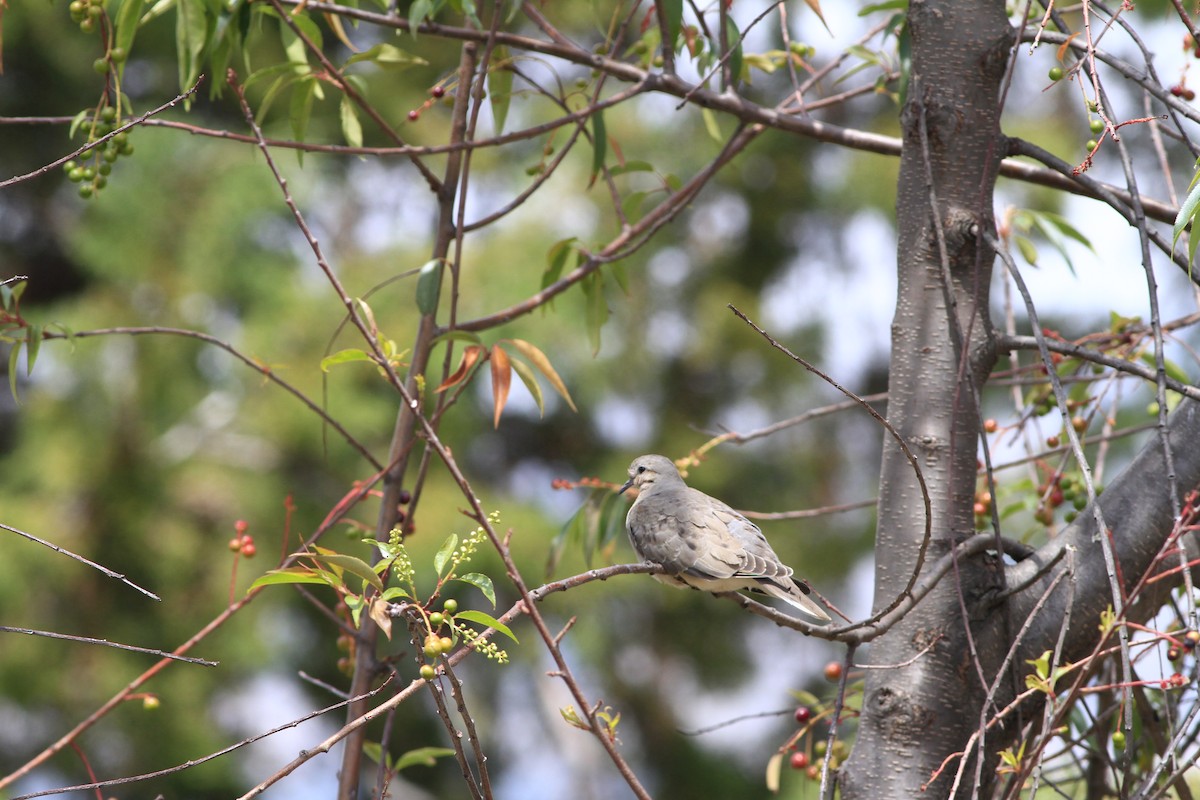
[226,332]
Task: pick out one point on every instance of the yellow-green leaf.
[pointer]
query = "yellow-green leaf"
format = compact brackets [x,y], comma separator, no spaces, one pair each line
[525,373]
[538,359]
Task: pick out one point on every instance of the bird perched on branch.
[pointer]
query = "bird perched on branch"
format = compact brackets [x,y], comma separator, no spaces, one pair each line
[701,542]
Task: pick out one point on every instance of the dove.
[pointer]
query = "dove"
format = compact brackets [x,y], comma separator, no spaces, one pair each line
[700,541]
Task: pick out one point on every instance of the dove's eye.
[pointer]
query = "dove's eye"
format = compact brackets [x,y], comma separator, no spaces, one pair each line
[641,470]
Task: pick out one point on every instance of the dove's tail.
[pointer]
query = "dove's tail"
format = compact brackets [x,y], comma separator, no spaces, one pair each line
[795,596]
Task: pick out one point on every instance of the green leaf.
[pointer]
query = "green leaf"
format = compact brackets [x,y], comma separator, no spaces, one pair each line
[126,27]
[351,127]
[14,356]
[1066,228]
[191,38]
[525,373]
[33,343]
[710,124]
[599,145]
[294,46]
[351,564]
[672,11]
[290,575]
[481,582]
[343,357]
[500,81]
[444,553]
[596,311]
[429,284]
[486,620]
[300,110]
[374,751]
[1172,369]
[1187,214]
[632,166]
[417,14]
[1028,251]
[733,38]
[422,756]
[556,259]
[388,56]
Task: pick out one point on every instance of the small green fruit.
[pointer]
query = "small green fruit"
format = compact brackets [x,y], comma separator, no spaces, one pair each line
[1056,73]
[450,606]
[427,672]
[1096,125]
[1118,740]
[436,619]
[1089,145]
[101,66]
[447,644]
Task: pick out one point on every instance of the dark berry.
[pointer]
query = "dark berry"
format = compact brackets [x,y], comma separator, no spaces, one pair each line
[803,714]
[404,498]
[414,115]
[438,91]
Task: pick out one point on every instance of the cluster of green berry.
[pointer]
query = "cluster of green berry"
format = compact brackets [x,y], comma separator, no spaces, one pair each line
[92,177]
[86,13]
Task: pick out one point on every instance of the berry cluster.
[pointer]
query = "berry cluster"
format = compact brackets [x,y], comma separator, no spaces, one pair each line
[92,174]
[242,543]
[86,13]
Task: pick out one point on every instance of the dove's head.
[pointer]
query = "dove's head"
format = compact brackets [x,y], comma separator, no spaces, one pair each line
[646,471]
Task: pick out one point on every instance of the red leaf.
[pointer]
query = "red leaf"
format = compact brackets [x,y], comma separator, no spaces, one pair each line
[501,380]
[470,356]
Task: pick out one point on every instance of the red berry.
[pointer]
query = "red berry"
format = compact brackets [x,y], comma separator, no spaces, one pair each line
[414,115]
[249,550]
[241,526]
[438,91]
[1176,90]
[803,714]
[833,671]
[799,760]
[990,425]
[404,498]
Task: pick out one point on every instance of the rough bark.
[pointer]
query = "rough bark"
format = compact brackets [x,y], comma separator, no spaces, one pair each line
[943,661]
[918,711]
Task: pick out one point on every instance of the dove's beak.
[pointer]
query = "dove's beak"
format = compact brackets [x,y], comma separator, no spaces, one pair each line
[627,485]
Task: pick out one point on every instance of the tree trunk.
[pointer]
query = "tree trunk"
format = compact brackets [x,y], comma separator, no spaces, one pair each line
[923,706]
[927,700]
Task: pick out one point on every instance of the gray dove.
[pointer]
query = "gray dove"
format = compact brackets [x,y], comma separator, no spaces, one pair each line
[700,541]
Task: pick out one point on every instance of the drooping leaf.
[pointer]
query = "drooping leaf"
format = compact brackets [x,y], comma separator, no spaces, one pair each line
[815,5]
[1028,251]
[444,552]
[422,756]
[500,81]
[525,373]
[33,343]
[710,124]
[471,354]
[351,127]
[599,145]
[672,11]
[1187,215]
[300,109]
[538,359]
[733,38]
[774,769]
[126,27]
[429,286]
[501,382]
[191,36]
[14,357]
[596,308]
[483,583]
[486,620]
[417,14]
[556,259]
